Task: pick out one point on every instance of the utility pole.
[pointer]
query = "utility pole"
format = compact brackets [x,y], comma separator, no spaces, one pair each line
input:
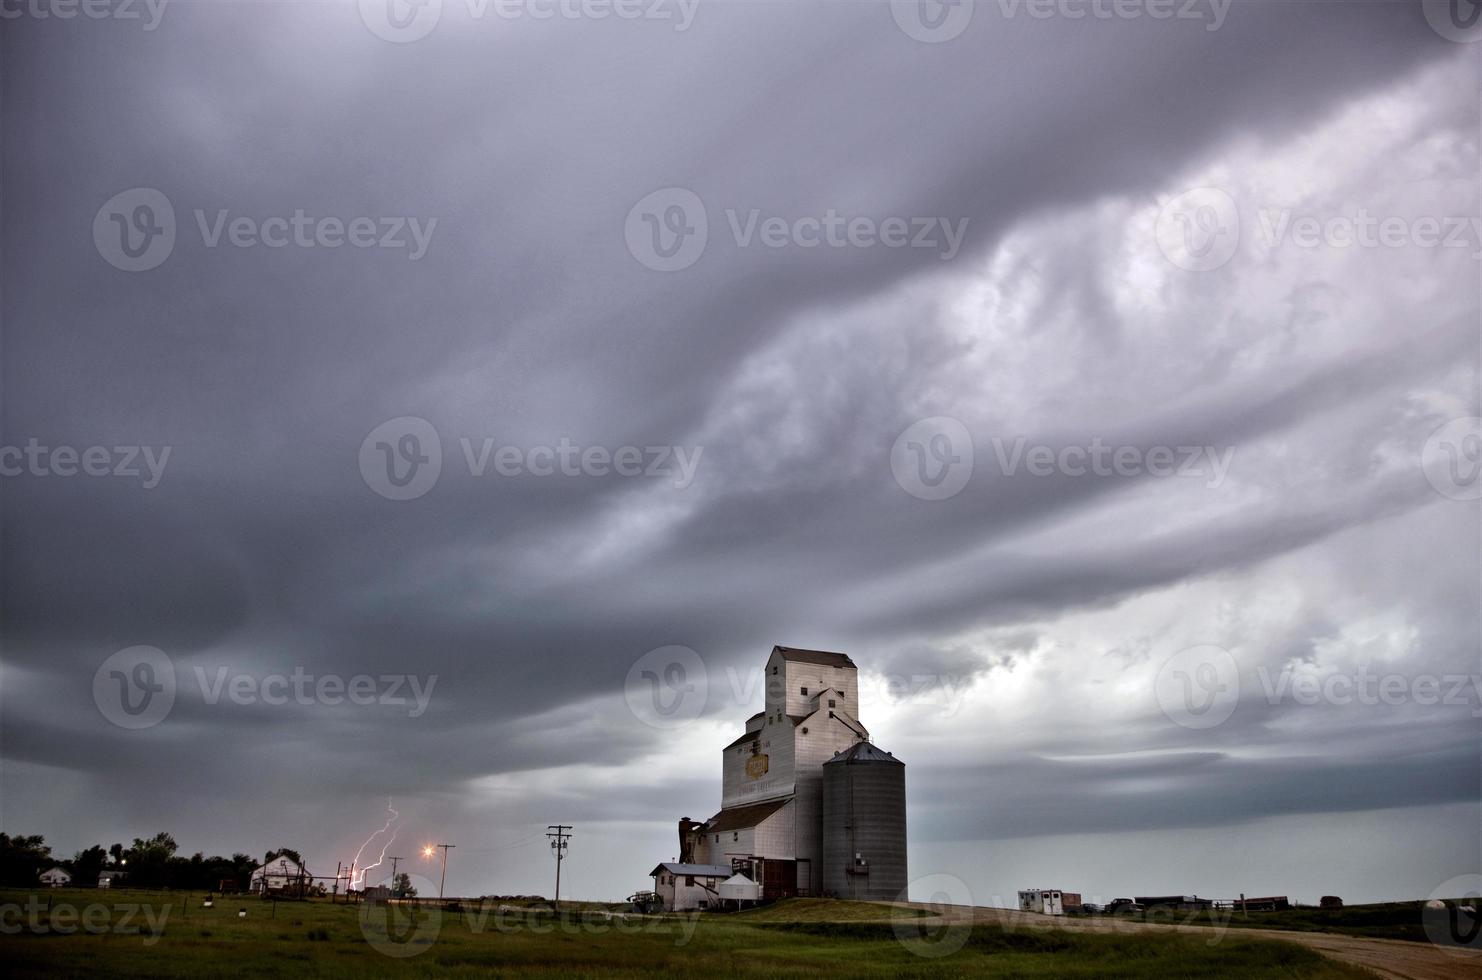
[393,874]
[444,879]
[335,894]
[557,833]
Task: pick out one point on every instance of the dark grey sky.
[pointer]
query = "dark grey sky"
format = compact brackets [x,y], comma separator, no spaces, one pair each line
[1016,636]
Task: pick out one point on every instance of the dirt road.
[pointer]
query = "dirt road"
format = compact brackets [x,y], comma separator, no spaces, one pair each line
[1388,958]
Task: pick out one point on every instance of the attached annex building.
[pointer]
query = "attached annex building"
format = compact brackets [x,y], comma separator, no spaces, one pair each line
[777,825]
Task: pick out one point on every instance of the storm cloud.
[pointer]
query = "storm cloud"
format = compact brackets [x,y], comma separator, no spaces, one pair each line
[1013,632]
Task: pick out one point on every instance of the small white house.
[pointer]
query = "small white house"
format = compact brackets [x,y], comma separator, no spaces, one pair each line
[280,874]
[689,886]
[55,878]
[107,878]
[1048,901]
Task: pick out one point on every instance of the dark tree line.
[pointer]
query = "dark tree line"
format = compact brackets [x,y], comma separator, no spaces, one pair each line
[147,863]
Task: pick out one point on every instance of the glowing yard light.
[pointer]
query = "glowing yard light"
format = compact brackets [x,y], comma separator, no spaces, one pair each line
[427,851]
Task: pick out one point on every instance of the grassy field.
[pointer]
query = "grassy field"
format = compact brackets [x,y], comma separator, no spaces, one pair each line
[136,934]
[823,910]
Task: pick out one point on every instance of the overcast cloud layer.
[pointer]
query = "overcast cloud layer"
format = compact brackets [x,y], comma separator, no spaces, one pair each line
[1015,637]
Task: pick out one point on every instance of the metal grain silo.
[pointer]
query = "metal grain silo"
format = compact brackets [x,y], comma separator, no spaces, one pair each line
[864,824]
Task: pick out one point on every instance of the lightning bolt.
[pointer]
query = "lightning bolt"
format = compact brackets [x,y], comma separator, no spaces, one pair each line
[357,873]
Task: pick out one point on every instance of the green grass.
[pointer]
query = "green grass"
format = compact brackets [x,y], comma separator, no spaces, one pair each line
[317,939]
[823,910]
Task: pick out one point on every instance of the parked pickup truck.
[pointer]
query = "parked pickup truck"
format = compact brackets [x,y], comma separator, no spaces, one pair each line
[1122,906]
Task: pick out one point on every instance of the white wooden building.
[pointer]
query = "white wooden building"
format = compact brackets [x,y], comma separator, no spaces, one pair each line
[689,886]
[55,878]
[281,874]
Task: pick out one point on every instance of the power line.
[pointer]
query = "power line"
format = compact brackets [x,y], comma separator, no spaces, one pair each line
[558,847]
[505,846]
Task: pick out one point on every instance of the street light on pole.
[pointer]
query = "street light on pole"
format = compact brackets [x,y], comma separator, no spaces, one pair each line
[427,852]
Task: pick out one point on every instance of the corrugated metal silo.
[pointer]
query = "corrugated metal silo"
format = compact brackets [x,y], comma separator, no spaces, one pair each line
[864,824]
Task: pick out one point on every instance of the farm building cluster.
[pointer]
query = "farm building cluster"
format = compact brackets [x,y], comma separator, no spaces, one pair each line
[1054,901]
[809,805]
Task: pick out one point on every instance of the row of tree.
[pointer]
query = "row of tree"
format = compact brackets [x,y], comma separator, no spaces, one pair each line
[147,863]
